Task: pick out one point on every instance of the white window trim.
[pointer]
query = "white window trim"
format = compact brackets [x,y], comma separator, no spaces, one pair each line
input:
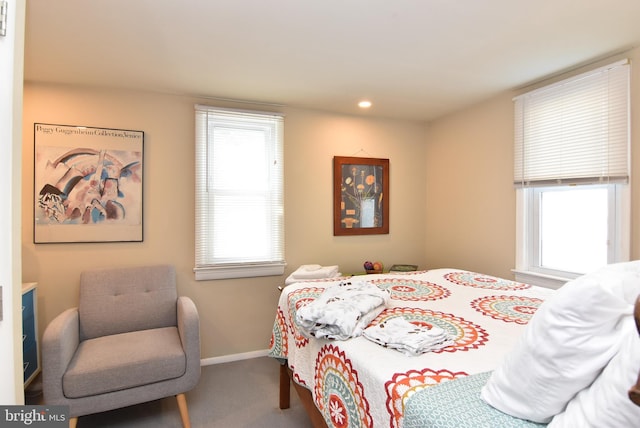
[620,228]
[234,269]
[539,279]
[526,268]
[522,271]
[239,271]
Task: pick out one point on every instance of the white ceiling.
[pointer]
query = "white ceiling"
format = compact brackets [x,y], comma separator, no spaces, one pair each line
[414,59]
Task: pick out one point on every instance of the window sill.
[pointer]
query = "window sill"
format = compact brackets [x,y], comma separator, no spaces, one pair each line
[539,279]
[239,271]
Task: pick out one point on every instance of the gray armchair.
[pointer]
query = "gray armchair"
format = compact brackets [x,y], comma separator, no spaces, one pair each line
[130,340]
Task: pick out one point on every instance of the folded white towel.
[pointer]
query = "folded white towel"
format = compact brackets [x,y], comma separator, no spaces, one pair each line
[399,334]
[309,267]
[343,310]
[316,273]
[306,272]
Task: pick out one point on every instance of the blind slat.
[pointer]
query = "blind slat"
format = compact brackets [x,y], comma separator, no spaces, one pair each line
[574,131]
[239,188]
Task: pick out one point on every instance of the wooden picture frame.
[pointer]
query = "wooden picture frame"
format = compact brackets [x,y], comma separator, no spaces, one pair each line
[360,196]
[87,184]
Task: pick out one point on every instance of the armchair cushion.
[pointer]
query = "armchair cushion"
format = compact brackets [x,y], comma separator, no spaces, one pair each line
[122,361]
[114,301]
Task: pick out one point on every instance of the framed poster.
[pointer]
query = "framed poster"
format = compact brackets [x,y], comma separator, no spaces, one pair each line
[87,184]
[360,196]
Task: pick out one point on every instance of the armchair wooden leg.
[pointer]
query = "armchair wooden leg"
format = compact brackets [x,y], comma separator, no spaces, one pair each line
[184,412]
[73,422]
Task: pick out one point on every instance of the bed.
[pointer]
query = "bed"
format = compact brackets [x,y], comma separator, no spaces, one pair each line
[358,383]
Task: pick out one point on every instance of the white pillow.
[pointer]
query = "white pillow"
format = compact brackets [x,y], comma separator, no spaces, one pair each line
[567,343]
[606,402]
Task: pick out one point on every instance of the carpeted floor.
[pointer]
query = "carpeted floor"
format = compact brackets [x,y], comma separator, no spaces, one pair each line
[229,395]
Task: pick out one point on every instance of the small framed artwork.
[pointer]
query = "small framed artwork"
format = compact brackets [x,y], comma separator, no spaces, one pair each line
[360,196]
[87,184]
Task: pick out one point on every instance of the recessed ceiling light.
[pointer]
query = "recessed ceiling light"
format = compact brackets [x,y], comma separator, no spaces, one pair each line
[364,104]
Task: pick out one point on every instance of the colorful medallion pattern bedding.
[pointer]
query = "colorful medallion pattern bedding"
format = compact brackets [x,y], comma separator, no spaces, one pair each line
[358,383]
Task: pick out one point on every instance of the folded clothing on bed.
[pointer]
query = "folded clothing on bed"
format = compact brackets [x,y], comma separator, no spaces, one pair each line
[307,272]
[343,310]
[410,339]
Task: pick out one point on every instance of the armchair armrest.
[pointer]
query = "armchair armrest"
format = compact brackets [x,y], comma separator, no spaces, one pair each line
[59,343]
[189,330]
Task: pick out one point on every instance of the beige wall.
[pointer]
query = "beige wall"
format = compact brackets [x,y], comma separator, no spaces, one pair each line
[236,315]
[452,199]
[470,197]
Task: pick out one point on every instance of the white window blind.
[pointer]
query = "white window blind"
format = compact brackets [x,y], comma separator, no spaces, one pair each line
[239,193]
[574,131]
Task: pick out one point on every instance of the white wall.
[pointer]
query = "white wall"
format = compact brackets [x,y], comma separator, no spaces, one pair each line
[11,60]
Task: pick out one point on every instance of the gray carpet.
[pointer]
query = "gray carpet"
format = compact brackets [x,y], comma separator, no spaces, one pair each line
[229,395]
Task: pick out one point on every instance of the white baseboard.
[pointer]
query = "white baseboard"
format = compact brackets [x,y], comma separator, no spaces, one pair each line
[233,357]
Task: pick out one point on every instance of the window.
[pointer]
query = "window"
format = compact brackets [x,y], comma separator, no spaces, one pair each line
[239,194]
[571,171]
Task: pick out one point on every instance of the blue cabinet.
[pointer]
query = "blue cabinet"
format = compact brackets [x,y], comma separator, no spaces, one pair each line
[30,353]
